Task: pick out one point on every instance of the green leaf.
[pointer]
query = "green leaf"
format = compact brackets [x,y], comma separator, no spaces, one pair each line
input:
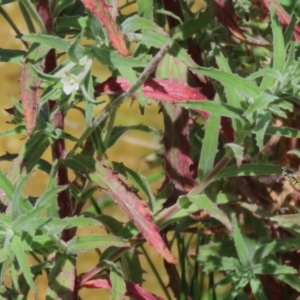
[153,39]
[190,27]
[214,108]
[81,163]
[283,131]
[17,246]
[32,14]
[235,288]
[279,52]
[88,93]
[90,242]
[219,249]
[17,130]
[238,152]
[145,8]
[7,189]
[249,170]
[33,150]
[244,86]
[244,246]
[12,56]
[96,28]
[215,263]
[168,13]
[136,23]
[118,289]
[77,22]
[117,131]
[269,267]
[113,59]
[263,119]
[60,6]
[287,221]
[73,52]
[19,203]
[209,147]
[204,203]
[48,40]
[233,97]
[257,289]
[263,100]
[132,269]
[293,281]
[21,222]
[62,278]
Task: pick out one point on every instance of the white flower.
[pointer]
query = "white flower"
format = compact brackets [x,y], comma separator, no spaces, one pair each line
[71,83]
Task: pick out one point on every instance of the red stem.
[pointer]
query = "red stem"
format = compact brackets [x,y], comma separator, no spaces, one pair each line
[58,148]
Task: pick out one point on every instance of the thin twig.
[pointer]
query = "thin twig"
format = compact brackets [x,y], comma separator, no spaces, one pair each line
[113,105]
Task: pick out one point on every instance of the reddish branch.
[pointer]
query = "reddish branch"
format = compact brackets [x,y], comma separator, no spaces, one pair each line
[58,148]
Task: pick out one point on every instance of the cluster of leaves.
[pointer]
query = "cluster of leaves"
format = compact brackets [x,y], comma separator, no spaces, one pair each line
[211,200]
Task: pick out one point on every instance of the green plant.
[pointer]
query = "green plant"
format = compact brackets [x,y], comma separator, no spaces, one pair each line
[227,78]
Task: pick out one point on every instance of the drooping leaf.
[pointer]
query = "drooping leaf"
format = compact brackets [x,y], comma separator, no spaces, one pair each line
[101,10]
[133,207]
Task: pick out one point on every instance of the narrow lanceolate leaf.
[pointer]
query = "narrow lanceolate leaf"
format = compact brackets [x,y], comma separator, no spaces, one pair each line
[133,207]
[62,278]
[209,146]
[118,284]
[204,203]
[101,10]
[243,249]
[213,108]
[30,84]
[13,56]
[21,257]
[278,44]
[249,170]
[227,79]
[48,40]
[89,242]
